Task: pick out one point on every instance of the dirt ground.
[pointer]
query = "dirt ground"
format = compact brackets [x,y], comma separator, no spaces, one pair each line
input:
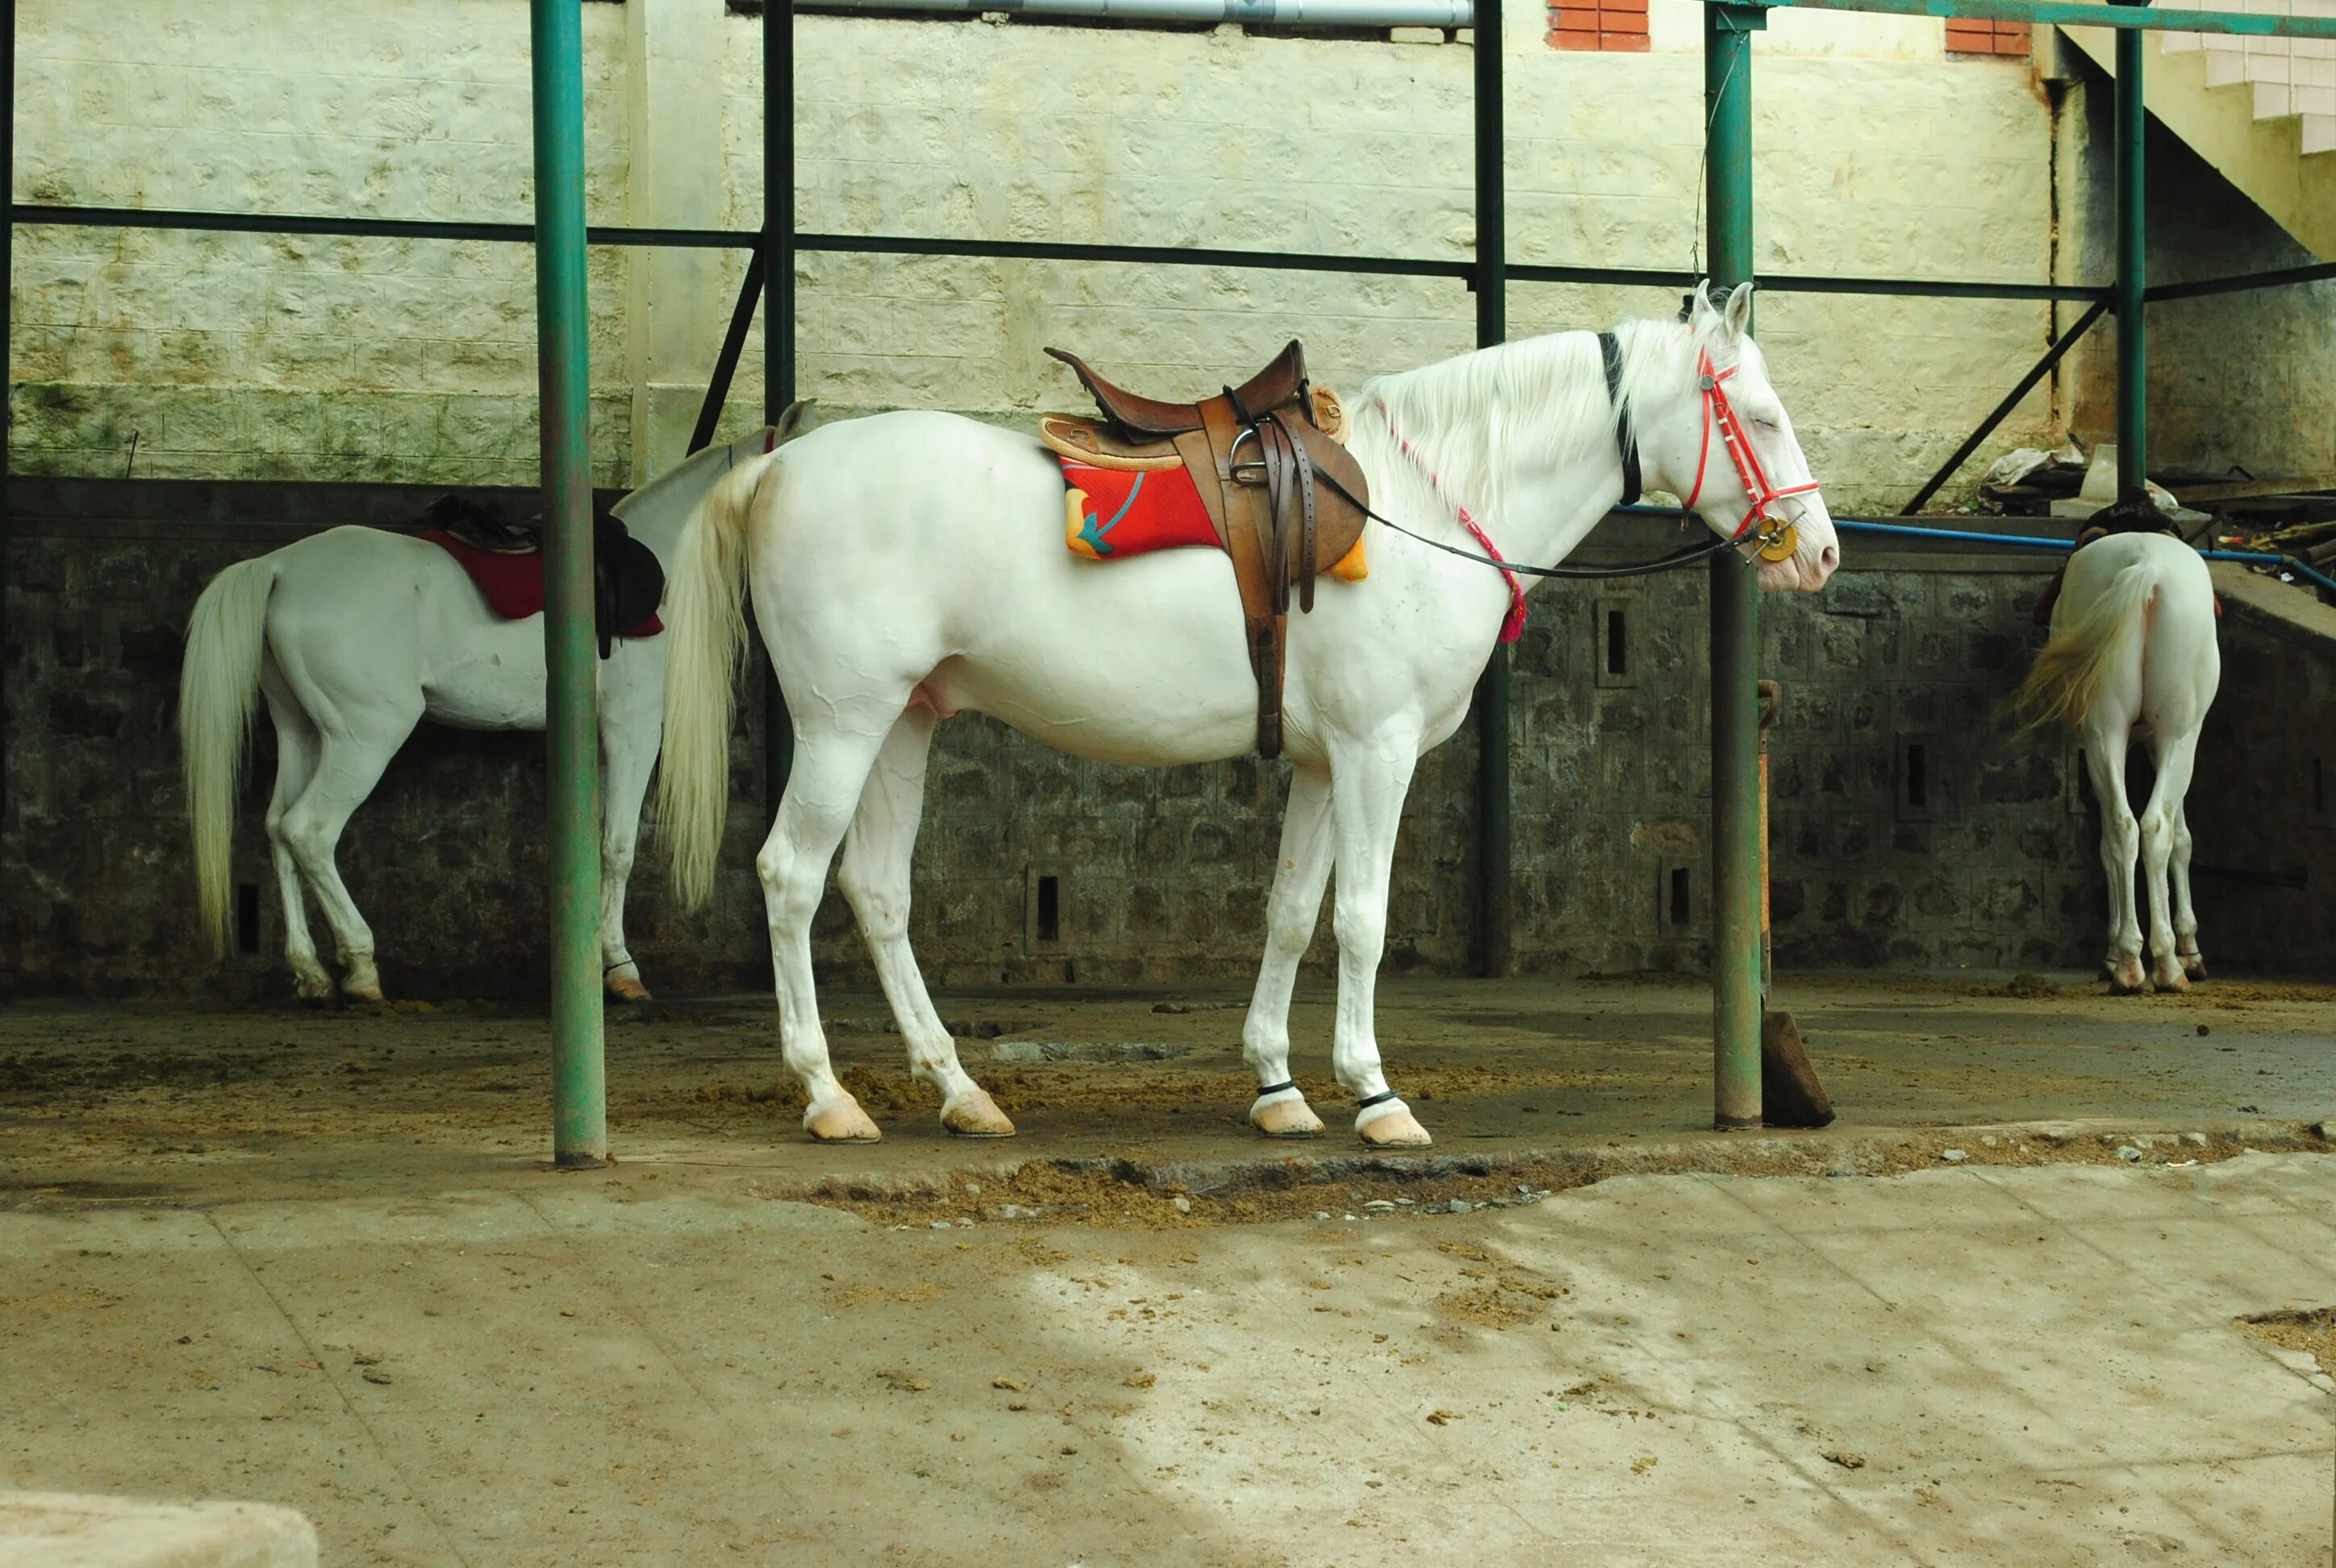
[136,1102]
[2080,1314]
[1120,1096]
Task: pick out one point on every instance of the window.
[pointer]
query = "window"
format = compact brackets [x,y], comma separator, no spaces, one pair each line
[1612,25]
[1969,37]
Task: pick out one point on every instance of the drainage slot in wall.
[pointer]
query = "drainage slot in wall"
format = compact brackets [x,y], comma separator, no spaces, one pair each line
[1918,784]
[1050,918]
[1618,643]
[1679,900]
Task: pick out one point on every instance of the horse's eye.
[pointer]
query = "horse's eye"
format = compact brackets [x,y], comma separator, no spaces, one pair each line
[1762,422]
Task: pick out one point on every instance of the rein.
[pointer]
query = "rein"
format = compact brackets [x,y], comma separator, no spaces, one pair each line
[1775,542]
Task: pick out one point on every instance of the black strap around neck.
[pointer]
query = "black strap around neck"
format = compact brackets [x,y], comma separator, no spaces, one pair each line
[1611,346]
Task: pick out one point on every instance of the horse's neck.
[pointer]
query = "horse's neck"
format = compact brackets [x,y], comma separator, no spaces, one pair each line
[1541,514]
[655,513]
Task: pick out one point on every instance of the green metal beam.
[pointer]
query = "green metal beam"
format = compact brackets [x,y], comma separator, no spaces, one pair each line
[1734,616]
[1495,857]
[2076,14]
[2133,267]
[578,1072]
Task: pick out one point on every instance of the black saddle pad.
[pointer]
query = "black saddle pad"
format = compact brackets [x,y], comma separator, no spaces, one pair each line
[627,582]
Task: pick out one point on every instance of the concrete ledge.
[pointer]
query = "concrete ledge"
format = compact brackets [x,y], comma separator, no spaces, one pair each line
[58,1530]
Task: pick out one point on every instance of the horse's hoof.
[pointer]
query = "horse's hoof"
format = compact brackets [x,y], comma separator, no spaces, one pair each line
[840,1121]
[1396,1130]
[2194,965]
[363,994]
[315,991]
[2171,979]
[1286,1119]
[976,1115]
[627,989]
[2125,978]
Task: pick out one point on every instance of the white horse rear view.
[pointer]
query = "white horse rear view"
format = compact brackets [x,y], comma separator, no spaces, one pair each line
[2133,657]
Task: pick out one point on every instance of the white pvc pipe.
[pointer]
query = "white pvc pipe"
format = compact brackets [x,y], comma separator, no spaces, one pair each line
[1260,13]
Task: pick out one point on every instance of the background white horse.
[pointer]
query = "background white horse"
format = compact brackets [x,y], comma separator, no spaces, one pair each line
[2133,657]
[909,566]
[355,635]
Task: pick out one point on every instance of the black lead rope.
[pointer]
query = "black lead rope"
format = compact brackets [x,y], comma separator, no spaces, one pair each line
[1610,350]
[1671,563]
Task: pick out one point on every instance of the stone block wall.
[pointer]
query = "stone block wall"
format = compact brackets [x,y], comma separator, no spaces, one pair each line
[1979,851]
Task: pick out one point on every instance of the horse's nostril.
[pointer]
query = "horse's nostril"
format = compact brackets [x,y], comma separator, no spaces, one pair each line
[1828,557]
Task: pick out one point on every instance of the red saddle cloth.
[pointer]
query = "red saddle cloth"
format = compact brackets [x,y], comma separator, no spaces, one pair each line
[1111,513]
[513,584]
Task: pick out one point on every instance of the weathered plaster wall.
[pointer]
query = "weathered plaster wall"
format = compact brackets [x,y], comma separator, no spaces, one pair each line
[227,356]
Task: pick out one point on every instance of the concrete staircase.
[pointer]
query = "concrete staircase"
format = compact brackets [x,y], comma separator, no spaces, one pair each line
[2262,110]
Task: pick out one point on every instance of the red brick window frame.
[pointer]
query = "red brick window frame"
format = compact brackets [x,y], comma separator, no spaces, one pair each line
[1608,24]
[1965,36]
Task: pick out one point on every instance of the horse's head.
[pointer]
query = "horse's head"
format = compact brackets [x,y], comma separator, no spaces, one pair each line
[1712,430]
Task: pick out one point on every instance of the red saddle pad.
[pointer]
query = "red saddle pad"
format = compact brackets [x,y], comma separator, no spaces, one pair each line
[1110,513]
[513,584]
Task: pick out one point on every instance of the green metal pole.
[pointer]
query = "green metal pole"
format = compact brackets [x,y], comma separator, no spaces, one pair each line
[579,1074]
[1494,858]
[1728,32]
[778,326]
[2133,269]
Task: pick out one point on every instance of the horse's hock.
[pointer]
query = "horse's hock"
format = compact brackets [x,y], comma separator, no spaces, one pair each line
[1907,831]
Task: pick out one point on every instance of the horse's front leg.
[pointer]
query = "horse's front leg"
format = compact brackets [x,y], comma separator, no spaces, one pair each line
[1369,780]
[1279,1110]
[878,852]
[632,713]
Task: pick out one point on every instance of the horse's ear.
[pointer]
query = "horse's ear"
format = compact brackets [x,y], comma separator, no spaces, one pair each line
[1695,306]
[1739,310]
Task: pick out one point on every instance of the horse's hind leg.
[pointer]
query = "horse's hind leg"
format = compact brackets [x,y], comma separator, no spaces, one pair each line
[831,765]
[878,853]
[297,745]
[2186,918]
[2160,831]
[355,746]
[631,717]
[1279,1110]
[2104,749]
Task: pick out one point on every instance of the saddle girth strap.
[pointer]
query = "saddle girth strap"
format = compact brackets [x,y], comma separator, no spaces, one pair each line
[1244,521]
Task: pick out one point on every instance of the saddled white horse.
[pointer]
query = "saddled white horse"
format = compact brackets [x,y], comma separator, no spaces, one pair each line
[355,635]
[909,566]
[2133,657]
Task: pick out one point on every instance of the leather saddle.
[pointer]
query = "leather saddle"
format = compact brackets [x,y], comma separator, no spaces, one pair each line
[627,582]
[1269,469]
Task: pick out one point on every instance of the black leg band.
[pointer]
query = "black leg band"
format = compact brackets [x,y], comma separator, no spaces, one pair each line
[1277,1089]
[1381,1098]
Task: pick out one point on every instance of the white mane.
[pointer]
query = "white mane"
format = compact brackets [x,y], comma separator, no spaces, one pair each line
[1536,402]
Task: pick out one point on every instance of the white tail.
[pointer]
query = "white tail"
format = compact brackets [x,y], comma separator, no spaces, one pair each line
[218,692]
[706,631]
[2059,690]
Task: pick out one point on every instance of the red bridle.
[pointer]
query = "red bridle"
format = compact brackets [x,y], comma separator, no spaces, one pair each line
[1779,541]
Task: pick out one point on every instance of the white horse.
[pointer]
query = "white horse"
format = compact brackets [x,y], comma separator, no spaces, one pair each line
[2132,656]
[355,635]
[909,566]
